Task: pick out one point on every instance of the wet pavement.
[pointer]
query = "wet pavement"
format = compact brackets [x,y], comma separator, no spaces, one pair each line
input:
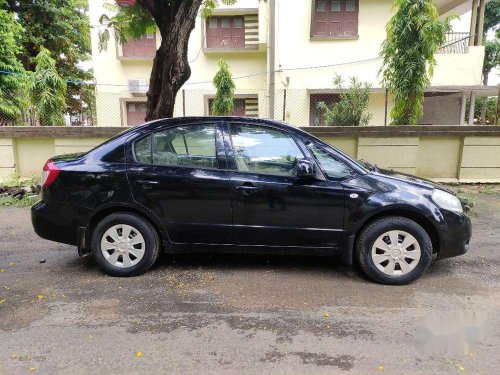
[225,314]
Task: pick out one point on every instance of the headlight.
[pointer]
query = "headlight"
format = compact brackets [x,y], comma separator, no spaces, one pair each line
[447,201]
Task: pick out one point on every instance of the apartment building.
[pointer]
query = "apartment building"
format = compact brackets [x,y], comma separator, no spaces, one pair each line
[284,58]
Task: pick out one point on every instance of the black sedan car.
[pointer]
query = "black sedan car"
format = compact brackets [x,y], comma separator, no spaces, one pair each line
[245,185]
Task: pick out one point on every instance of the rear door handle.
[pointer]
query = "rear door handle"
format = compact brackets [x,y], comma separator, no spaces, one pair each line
[147,184]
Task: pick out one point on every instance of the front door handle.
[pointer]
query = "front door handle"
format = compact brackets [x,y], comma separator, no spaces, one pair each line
[246,189]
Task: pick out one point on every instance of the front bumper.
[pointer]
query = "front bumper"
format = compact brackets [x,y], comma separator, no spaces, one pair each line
[455,235]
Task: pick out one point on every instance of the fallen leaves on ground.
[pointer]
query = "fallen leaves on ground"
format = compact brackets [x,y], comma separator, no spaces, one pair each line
[460,367]
[381,367]
[2,301]
[326,315]
[138,354]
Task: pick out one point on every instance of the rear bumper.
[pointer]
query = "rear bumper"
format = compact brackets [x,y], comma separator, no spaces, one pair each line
[455,236]
[57,221]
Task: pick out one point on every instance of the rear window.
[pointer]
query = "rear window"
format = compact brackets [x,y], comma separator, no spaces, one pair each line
[183,146]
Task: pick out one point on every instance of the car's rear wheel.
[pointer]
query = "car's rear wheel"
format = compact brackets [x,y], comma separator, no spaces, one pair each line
[124,244]
[394,250]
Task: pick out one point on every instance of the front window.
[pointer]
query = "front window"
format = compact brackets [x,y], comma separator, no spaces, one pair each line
[243,107]
[332,167]
[142,47]
[225,32]
[183,146]
[260,149]
[335,18]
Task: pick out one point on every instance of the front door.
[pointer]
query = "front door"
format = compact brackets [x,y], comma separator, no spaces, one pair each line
[271,206]
[178,174]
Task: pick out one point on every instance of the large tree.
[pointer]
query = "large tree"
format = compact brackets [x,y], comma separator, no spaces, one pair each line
[175,20]
[414,34]
[492,48]
[62,27]
[12,100]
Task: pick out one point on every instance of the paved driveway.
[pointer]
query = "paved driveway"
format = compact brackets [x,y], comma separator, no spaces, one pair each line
[245,314]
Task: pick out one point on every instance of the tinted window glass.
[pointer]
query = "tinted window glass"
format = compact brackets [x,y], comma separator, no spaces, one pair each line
[332,167]
[186,146]
[143,150]
[117,155]
[264,150]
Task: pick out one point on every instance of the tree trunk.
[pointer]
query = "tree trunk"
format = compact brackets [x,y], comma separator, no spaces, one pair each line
[170,66]
[484,102]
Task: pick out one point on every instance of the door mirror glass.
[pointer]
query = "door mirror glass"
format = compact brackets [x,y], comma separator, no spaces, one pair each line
[306,168]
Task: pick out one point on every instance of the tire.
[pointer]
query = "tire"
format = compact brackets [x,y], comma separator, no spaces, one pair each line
[134,239]
[391,264]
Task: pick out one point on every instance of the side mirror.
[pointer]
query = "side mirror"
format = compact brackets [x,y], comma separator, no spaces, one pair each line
[306,168]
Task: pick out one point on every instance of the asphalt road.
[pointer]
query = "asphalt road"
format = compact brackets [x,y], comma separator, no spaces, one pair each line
[245,314]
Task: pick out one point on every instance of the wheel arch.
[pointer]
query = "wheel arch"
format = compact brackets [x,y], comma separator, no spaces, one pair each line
[417,217]
[84,247]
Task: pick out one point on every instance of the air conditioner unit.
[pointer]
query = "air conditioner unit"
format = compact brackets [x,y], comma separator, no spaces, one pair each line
[138,86]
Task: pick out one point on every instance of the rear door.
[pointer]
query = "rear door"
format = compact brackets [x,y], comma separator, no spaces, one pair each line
[179,173]
[271,206]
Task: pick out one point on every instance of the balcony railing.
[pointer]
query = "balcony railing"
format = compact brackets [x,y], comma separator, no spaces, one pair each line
[455,43]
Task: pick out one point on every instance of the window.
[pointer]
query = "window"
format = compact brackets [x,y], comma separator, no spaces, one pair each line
[264,150]
[332,167]
[136,113]
[243,107]
[142,47]
[184,146]
[225,32]
[212,23]
[335,18]
[238,23]
[317,116]
[320,6]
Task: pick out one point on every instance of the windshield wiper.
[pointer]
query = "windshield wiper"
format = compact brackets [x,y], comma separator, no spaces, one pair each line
[371,167]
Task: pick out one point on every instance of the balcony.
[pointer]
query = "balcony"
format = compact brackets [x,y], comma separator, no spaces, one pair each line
[458,63]
[455,43]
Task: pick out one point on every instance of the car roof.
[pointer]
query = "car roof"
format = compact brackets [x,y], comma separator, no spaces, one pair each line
[194,119]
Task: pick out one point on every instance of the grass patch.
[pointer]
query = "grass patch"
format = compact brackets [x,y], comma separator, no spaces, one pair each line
[26,201]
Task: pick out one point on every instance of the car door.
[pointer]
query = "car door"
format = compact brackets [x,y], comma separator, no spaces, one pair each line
[271,206]
[179,173]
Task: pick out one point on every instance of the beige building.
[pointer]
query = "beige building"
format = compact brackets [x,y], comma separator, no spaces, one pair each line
[305,45]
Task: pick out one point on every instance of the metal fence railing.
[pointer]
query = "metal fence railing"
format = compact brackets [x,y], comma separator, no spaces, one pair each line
[299,107]
[455,43]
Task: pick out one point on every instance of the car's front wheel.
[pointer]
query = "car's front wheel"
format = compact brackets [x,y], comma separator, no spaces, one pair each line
[124,244]
[394,250]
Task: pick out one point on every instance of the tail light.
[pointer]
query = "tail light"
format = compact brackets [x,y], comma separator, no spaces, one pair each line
[49,173]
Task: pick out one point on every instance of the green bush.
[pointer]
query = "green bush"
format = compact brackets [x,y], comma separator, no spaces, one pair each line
[350,109]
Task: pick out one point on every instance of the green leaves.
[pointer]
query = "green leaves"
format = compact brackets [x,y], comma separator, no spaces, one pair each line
[223,103]
[350,109]
[47,90]
[414,34]
[12,103]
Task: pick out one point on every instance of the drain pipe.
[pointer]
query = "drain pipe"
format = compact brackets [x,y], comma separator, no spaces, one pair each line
[271,56]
